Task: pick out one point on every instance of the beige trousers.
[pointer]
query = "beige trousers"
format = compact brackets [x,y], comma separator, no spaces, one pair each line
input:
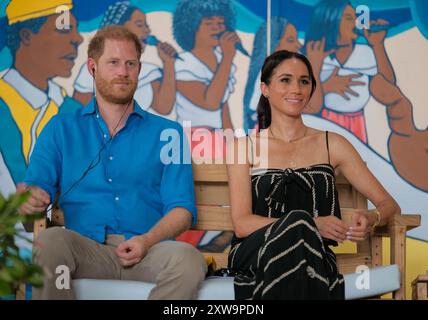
[175,267]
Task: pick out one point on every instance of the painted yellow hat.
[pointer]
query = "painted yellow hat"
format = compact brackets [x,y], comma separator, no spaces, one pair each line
[21,10]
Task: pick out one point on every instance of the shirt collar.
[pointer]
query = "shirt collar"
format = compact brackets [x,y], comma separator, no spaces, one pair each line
[91,108]
[33,95]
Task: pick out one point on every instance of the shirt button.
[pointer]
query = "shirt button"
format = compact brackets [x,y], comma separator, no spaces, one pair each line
[110,180]
[110,158]
[105,136]
[117,198]
[98,116]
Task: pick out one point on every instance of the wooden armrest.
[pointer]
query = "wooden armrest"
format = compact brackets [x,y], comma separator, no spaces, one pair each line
[408,221]
[39,225]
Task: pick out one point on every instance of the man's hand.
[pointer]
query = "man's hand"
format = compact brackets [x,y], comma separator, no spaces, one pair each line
[133,251]
[38,201]
[331,227]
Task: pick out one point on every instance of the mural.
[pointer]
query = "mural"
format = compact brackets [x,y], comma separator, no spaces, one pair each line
[201,63]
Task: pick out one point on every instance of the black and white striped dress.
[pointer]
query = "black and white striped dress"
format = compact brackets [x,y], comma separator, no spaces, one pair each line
[289,259]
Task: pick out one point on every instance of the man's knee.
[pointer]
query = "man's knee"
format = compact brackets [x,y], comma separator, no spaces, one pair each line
[51,245]
[187,261]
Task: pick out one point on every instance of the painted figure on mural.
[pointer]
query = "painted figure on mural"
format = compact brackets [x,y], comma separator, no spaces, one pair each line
[205,75]
[156,87]
[205,81]
[353,73]
[355,63]
[43,44]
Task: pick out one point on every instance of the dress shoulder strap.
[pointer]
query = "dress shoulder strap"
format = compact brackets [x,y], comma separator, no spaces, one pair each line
[328,149]
[252,151]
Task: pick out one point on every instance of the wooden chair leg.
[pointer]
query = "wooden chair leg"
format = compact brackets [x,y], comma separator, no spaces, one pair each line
[398,256]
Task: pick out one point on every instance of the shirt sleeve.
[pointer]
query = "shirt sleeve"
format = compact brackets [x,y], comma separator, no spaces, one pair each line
[45,161]
[177,186]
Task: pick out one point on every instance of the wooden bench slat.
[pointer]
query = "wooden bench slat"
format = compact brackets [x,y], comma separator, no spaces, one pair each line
[212,194]
[214,218]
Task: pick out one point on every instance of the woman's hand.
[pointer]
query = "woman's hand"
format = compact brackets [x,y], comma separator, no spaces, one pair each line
[342,84]
[361,224]
[331,227]
[315,51]
[378,37]
[227,43]
[166,52]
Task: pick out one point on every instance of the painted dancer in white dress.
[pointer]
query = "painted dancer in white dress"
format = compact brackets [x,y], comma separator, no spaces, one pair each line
[205,76]
[205,81]
[156,87]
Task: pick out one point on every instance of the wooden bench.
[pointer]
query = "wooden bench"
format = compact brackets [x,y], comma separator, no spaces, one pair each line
[212,198]
[420,287]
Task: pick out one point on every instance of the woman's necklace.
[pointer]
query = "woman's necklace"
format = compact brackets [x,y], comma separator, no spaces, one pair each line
[291,140]
[293,161]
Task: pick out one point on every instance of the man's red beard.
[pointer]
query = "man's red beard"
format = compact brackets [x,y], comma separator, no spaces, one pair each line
[113,93]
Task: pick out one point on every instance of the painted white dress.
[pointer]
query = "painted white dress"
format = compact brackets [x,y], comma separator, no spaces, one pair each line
[362,61]
[193,69]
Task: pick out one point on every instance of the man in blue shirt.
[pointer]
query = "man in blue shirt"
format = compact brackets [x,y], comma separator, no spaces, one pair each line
[124,190]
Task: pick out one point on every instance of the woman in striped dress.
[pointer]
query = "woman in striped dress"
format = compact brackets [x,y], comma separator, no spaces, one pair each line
[285,207]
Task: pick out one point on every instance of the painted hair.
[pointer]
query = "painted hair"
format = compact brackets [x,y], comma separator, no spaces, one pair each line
[325,22]
[13,31]
[118,13]
[189,14]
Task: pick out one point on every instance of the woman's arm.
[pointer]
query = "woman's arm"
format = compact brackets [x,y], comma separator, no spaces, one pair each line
[346,160]
[164,91]
[244,221]
[377,41]
[227,121]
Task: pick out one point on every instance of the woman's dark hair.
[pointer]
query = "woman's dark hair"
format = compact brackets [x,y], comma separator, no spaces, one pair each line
[271,63]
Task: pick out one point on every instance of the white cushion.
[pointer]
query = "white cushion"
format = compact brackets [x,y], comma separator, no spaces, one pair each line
[381,280]
[372,282]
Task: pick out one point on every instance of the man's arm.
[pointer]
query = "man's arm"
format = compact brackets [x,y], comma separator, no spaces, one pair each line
[43,171]
[171,225]
[178,197]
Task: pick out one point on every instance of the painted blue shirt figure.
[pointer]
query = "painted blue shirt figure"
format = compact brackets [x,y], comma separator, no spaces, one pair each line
[128,189]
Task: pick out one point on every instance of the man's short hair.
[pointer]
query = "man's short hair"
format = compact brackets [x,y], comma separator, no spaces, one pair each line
[96,46]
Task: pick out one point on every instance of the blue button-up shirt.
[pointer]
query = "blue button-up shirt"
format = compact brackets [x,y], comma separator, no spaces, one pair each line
[120,185]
